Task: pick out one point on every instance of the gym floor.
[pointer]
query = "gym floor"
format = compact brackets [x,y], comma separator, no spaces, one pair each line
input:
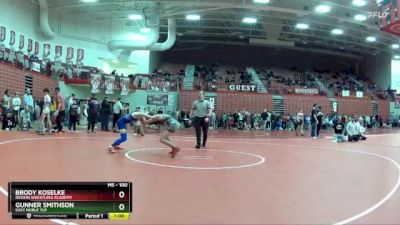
[240,178]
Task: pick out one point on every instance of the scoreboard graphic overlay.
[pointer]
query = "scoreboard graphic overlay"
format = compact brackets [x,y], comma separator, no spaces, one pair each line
[70,200]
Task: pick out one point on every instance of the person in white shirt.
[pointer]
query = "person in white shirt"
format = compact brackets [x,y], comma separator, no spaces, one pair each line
[117,113]
[28,101]
[300,123]
[352,130]
[16,105]
[46,111]
[360,129]
[25,118]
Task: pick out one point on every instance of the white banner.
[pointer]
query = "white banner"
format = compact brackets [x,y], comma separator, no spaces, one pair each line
[334,105]
[359,94]
[124,82]
[211,100]
[312,91]
[109,84]
[95,83]
[234,87]
[36,67]
[345,93]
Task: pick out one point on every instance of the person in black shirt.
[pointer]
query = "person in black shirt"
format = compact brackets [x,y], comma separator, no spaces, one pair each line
[320,116]
[8,122]
[92,113]
[264,117]
[314,121]
[339,128]
[73,113]
[105,114]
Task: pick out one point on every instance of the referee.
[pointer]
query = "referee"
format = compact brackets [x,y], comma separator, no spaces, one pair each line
[200,114]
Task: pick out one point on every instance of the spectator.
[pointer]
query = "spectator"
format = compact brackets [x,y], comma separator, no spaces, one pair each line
[300,123]
[6,103]
[25,118]
[73,113]
[105,114]
[9,122]
[117,113]
[93,112]
[314,121]
[16,104]
[60,110]
[360,130]
[352,130]
[339,129]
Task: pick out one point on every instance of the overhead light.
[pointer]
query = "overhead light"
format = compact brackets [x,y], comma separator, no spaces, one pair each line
[359,3]
[261,1]
[337,31]
[302,26]
[371,38]
[115,61]
[193,17]
[249,20]
[395,46]
[131,66]
[135,17]
[397,57]
[89,1]
[360,17]
[322,9]
[145,30]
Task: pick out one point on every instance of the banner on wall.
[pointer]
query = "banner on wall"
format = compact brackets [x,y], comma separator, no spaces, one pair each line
[70,53]
[46,50]
[309,91]
[21,41]
[36,48]
[211,100]
[95,81]
[157,99]
[124,82]
[58,50]
[12,38]
[234,87]
[2,33]
[30,45]
[36,67]
[359,94]
[345,93]
[334,106]
[109,84]
[80,56]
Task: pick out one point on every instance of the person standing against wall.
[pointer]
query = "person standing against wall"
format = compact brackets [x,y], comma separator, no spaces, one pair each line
[105,114]
[60,110]
[314,121]
[28,101]
[200,114]
[16,105]
[116,113]
[6,103]
[93,112]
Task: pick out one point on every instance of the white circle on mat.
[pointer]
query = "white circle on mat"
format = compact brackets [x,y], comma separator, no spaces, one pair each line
[259,158]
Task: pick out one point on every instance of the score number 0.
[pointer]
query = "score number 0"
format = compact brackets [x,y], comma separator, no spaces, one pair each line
[121,195]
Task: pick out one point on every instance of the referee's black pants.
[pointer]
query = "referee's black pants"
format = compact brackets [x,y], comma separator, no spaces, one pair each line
[199,124]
